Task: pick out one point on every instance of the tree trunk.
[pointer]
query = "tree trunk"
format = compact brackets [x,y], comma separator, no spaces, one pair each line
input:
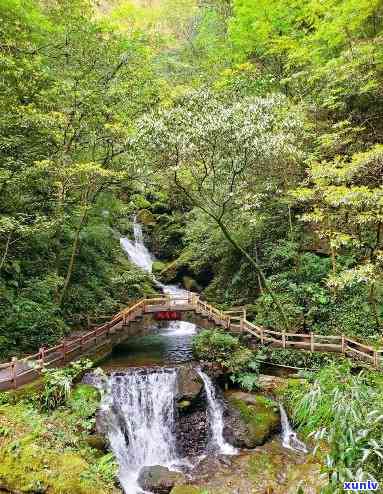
[261,274]
[374,305]
[72,259]
[6,250]
[258,275]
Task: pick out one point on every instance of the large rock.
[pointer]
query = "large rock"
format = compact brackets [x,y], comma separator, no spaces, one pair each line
[158,479]
[192,425]
[192,432]
[190,384]
[250,419]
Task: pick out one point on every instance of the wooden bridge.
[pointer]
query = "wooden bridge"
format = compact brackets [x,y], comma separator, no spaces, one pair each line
[18,372]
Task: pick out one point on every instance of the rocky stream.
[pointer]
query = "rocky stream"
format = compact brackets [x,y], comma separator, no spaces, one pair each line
[173,429]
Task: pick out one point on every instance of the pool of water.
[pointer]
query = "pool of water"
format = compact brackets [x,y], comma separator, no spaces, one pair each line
[166,345]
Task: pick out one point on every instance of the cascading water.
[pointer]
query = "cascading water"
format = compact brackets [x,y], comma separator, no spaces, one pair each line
[289,436]
[141,257]
[141,421]
[215,410]
[140,404]
[136,250]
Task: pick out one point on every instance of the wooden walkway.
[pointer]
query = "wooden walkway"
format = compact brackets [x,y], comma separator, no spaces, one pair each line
[18,372]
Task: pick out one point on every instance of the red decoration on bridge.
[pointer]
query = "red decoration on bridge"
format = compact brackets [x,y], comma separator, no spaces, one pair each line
[169,315]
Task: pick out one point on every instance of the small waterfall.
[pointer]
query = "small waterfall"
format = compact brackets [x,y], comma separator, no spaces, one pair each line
[289,436]
[141,420]
[136,250]
[141,257]
[215,410]
[139,406]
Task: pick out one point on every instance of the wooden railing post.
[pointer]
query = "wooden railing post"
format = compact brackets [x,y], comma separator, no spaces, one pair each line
[241,323]
[41,356]
[262,337]
[284,339]
[343,344]
[312,342]
[376,360]
[13,368]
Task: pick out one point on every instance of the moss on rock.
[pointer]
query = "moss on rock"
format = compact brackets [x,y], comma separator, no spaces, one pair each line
[258,413]
[188,489]
[158,266]
[48,453]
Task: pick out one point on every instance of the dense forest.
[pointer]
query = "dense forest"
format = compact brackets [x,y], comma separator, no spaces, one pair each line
[247,138]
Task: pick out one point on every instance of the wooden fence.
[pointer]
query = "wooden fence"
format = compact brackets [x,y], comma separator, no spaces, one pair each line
[18,372]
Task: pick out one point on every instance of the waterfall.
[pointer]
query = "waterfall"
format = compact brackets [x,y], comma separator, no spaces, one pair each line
[140,404]
[141,421]
[289,436]
[136,250]
[141,257]
[215,411]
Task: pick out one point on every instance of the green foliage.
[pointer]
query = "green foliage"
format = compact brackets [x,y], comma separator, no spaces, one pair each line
[225,350]
[297,358]
[67,94]
[57,384]
[48,452]
[344,412]
[105,468]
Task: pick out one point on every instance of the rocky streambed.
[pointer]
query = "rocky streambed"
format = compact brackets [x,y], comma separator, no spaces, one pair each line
[251,424]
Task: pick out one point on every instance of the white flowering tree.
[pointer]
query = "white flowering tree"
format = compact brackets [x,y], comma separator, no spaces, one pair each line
[221,154]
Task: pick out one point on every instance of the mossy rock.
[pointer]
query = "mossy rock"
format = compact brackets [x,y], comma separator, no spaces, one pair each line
[187,489]
[35,470]
[146,217]
[98,442]
[42,453]
[159,479]
[158,266]
[190,283]
[259,417]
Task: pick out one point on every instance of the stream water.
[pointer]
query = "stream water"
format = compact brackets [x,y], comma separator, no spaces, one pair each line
[141,413]
[217,441]
[139,405]
[140,402]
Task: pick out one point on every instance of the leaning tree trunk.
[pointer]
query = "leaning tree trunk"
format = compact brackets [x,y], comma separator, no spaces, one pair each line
[72,260]
[258,269]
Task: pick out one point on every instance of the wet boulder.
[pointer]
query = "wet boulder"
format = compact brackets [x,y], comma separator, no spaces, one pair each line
[250,419]
[158,479]
[190,384]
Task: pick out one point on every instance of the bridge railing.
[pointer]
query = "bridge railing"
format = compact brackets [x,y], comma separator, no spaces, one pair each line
[18,372]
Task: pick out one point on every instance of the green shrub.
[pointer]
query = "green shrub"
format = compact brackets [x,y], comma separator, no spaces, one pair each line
[57,384]
[344,412]
[221,348]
